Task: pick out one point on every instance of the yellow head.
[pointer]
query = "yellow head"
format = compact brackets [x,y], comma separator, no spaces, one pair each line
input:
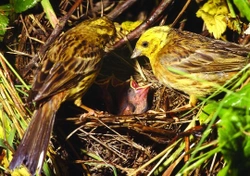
[103,27]
[151,42]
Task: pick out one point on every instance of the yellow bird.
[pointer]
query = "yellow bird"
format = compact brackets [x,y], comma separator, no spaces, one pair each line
[190,62]
[68,69]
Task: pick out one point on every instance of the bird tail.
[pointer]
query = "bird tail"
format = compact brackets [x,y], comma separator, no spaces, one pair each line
[33,147]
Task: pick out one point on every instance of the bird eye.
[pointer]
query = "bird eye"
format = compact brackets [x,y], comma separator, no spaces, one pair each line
[145,44]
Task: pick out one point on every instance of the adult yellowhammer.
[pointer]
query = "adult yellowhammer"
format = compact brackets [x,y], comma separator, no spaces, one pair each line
[190,62]
[68,69]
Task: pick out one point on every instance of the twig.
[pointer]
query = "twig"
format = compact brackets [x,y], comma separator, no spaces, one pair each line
[151,20]
[181,13]
[120,8]
[58,28]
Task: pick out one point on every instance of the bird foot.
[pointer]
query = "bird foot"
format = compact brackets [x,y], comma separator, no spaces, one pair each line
[92,113]
[180,109]
[191,104]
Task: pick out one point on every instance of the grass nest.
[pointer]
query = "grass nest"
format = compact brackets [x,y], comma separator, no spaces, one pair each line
[153,142]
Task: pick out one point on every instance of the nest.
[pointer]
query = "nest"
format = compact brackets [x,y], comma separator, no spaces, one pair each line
[109,143]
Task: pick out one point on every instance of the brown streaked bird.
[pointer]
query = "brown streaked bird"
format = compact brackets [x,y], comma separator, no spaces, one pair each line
[68,69]
[189,62]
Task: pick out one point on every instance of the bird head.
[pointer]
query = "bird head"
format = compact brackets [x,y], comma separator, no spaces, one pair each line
[151,41]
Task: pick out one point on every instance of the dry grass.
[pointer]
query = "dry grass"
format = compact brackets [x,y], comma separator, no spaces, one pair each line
[136,144]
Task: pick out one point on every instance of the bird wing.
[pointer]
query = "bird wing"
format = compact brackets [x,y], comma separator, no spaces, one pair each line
[198,57]
[73,58]
[59,74]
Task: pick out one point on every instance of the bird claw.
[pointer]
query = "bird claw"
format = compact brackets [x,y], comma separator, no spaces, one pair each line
[91,113]
[180,109]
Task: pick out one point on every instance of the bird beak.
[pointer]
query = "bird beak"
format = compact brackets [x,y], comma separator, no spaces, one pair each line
[135,85]
[135,54]
[143,89]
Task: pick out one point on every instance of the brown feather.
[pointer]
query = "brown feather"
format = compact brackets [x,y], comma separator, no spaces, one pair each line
[67,70]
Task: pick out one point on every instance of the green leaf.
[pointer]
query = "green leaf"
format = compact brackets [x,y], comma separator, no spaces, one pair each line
[4,21]
[214,13]
[244,8]
[5,9]
[223,171]
[234,131]
[3,143]
[239,99]
[23,5]
[207,113]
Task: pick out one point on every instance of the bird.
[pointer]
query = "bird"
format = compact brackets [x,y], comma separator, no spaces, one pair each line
[189,62]
[123,97]
[133,98]
[68,68]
